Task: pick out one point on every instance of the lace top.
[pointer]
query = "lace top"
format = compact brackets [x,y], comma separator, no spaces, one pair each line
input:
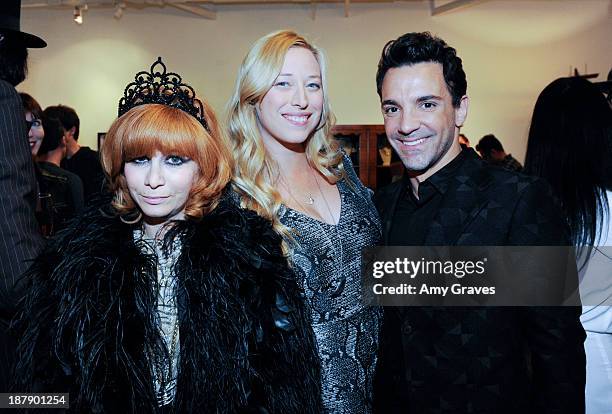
[327,261]
[165,370]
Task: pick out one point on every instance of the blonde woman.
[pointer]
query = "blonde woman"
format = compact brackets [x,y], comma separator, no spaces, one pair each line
[288,170]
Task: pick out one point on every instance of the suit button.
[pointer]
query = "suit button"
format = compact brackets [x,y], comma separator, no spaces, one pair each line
[406,328]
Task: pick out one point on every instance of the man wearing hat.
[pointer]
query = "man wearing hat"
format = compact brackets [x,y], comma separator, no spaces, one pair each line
[19,238]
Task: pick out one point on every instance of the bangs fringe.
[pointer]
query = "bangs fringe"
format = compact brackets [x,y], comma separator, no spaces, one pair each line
[165,132]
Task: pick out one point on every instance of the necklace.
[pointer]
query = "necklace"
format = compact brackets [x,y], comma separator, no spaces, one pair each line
[338,265]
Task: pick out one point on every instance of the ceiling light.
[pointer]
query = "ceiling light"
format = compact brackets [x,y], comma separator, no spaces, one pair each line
[78,15]
[119,10]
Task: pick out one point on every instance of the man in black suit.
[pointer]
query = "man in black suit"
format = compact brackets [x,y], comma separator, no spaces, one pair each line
[465,360]
[19,238]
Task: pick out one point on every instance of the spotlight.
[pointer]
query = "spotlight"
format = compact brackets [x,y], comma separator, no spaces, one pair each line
[78,15]
[119,10]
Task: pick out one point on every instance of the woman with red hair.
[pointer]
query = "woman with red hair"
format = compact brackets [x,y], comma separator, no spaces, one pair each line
[169,298]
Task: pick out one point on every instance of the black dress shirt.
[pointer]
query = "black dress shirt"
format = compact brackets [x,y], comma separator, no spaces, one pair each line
[416,215]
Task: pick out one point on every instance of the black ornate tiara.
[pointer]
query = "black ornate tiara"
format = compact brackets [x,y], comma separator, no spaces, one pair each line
[161,87]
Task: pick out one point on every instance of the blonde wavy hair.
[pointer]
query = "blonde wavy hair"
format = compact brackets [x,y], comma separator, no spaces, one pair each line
[254,172]
[148,128]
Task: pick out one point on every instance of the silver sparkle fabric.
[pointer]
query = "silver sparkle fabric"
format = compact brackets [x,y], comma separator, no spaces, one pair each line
[327,261]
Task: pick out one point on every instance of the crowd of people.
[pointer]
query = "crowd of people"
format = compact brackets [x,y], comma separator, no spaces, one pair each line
[194,265]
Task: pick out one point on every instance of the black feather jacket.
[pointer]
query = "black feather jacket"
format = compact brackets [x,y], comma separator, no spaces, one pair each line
[246,344]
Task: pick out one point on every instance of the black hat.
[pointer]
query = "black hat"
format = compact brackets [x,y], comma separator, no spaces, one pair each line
[10,14]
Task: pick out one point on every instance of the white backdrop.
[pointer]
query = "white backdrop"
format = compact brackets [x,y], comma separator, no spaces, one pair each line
[511,50]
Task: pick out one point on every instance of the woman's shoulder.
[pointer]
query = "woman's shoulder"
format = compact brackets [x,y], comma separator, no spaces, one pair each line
[240,235]
[230,218]
[350,175]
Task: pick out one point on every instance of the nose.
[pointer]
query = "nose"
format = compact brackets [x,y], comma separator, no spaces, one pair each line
[155,175]
[408,123]
[300,99]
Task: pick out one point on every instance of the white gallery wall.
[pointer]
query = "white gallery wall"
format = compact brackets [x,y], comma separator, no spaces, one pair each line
[511,50]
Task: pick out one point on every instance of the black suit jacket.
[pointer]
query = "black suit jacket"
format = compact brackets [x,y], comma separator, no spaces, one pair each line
[488,359]
[20,241]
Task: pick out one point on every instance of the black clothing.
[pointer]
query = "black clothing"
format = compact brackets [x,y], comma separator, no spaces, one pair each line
[20,241]
[66,191]
[86,164]
[487,359]
[418,214]
[246,344]
[509,163]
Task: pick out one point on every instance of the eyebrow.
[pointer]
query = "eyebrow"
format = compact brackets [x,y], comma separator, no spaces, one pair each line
[291,74]
[388,102]
[429,98]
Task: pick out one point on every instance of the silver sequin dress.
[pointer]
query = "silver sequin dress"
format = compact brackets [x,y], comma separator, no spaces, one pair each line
[346,331]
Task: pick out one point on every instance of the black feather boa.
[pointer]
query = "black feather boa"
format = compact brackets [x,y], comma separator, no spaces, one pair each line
[246,344]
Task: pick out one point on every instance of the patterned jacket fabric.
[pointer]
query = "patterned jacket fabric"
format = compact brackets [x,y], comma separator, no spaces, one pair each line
[488,359]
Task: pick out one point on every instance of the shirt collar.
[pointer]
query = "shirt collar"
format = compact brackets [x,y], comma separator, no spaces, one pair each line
[440,180]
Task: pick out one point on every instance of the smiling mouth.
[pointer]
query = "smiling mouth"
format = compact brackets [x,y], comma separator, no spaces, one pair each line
[299,120]
[413,143]
[154,200]
[408,145]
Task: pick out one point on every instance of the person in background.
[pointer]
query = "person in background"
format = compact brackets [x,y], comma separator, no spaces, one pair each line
[20,240]
[492,151]
[168,298]
[288,170]
[33,116]
[64,188]
[79,160]
[569,145]
[56,190]
[464,141]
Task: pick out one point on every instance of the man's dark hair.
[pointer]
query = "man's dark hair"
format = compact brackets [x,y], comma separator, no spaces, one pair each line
[487,143]
[53,134]
[66,115]
[13,59]
[413,48]
[30,105]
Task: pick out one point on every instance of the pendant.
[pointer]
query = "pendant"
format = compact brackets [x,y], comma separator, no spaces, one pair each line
[310,200]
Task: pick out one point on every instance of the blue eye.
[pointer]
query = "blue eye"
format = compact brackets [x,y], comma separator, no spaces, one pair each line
[314,85]
[282,84]
[36,123]
[176,160]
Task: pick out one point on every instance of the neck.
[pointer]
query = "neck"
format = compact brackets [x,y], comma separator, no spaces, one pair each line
[72,148]
[54,157]
[157,228]
[501,155]
[416,178]
[290,162]
[154,231]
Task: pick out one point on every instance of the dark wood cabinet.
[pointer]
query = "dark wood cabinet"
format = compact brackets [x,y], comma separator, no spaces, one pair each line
[365,143]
